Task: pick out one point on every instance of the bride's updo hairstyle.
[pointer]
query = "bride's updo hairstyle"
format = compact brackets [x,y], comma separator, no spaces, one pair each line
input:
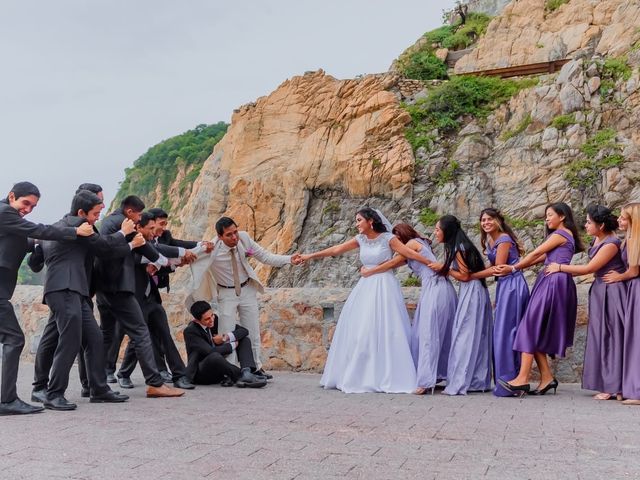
[369,213]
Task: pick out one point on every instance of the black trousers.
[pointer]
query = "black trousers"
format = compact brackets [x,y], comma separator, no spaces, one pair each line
[11,336]
[125,308]
[77,330]
[112,330]
[214,367]
[44,357]
[156,318]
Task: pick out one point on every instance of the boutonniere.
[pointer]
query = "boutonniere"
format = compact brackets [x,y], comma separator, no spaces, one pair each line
[249,252]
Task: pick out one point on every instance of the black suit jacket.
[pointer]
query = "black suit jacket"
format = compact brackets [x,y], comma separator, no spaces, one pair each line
[70,262]
[167,239]
[143,280]
[199,344]
[15,232]
[118,275]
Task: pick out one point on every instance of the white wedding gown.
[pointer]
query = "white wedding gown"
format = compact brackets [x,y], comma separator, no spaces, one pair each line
[370,348]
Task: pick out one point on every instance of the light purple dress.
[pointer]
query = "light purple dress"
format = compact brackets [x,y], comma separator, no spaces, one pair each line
[631,350]
[602,369]
[469,366]
[549,322]
[433,320]
[512,296]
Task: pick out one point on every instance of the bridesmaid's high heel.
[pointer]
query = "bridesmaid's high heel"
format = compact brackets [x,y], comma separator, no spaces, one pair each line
[424,390]
[552,384]
[517,390]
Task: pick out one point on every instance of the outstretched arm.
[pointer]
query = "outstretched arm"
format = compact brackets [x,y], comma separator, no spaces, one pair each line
[332,251]
[261,254]
[604,255]
[383,267]
[399,247]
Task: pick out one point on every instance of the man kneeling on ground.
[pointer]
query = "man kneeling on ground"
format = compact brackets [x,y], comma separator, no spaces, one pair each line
[206,352]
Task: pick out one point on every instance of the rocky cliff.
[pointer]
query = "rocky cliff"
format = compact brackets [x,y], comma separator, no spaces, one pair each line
[530,31]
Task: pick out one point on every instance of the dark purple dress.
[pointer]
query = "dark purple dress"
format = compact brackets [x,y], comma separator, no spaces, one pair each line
[631,351]
[603,355]
[549,321]
[512,296]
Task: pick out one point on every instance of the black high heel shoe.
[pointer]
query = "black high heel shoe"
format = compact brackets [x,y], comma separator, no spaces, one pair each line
[552,384]
[518,390]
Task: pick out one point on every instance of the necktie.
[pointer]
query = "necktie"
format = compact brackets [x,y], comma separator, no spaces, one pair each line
[210,336]
[236,277]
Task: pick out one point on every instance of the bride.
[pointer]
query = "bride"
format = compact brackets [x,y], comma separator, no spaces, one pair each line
[370,348]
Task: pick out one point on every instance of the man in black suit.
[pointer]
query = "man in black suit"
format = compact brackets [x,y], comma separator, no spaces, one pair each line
[116,299]
[206,351]
[49,339]
[14,244]
[67,292]
[150,301]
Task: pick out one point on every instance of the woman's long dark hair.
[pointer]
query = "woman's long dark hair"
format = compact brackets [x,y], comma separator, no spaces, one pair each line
[369,213]
[455,240]
[602,215]
[406,232]
[502,226]
[564,210]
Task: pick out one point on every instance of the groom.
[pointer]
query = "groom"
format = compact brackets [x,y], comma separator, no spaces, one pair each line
[225,274]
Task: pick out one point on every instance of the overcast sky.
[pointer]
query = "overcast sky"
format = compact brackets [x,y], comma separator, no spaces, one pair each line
[86,87]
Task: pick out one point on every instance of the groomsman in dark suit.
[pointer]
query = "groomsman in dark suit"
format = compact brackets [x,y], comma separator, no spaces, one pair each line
[15,232]
[150,301]
[49,339]
[116,298]
[68,294]
[206,351]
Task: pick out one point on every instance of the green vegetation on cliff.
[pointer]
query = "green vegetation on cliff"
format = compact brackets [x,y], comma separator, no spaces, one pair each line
[159,167]
[26,276]
[421,63]
[445,106]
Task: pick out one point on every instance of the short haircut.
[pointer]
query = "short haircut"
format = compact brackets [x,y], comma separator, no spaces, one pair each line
[84,200]
[224,222]
[157,212]
[92,187]
[145,218]
[199,308]
[24,189]
[134,203]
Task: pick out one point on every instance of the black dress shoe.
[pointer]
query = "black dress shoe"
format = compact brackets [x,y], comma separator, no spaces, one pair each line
[125,382]
[227,382]
[39,395]
[111,378]
[59,403]
[18,407]
[166,376]
[184,383]
[262,373]
[109,397]
[85,392]
[249,380]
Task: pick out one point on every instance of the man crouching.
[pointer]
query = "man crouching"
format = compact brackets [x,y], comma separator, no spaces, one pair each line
[206,352]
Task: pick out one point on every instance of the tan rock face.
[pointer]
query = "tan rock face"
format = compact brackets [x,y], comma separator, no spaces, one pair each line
[312,133]
[524,33]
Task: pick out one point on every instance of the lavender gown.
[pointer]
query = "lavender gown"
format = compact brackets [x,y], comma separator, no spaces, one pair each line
[602,369]
[549,322]
[512,296]
[470,356]
[631,355]
[431,329]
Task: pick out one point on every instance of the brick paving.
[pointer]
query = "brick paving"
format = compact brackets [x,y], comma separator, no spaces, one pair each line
[295,429]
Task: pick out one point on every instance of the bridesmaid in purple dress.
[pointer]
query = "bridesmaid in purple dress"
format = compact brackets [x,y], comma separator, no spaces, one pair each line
[433,319]
[602,369]
[549,321]
[501,246]
[469,363]
[629,221]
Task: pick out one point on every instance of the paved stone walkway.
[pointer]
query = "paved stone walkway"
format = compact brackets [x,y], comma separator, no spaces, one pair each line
[294,429]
